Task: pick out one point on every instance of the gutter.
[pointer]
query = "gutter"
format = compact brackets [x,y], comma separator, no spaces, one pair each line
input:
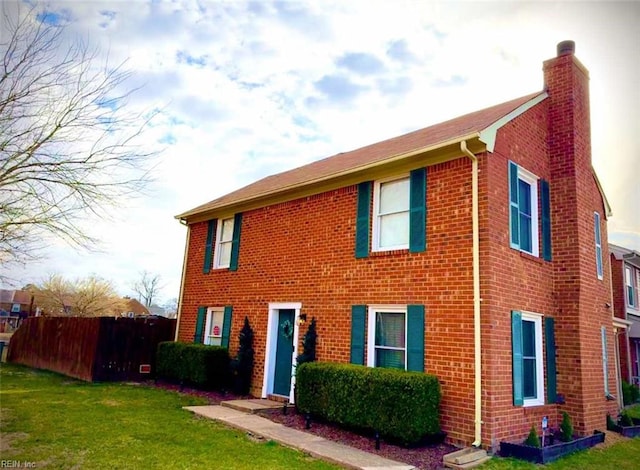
[476,296]
[184,272]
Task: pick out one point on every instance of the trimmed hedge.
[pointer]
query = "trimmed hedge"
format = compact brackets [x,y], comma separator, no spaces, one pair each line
[401,406]
[194,364]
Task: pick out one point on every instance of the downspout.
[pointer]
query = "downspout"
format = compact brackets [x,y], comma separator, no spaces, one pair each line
[476,295]
[184,272]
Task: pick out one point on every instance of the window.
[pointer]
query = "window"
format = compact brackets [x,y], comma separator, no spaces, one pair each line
[596,225]
[394,336]
[387,333]
[391,215]
[528,368]
[605,361]
[15,308]
[224,242]
[523,213]
[632,300]
[213,328]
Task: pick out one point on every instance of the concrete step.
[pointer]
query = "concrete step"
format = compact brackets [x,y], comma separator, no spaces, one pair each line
[465,458]
[252,405]
[465,466]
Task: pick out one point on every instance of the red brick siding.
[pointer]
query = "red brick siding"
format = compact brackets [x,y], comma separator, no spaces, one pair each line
[303,251]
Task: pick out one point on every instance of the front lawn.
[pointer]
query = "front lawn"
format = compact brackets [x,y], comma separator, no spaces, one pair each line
[58,422]
[620,456]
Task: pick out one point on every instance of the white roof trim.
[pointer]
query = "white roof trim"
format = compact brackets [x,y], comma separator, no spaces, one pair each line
[488,135]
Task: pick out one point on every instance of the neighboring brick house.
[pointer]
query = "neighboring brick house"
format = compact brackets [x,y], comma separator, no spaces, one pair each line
[625,279]
[472,250]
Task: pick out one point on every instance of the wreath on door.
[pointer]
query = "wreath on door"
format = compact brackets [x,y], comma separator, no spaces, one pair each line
[287,329]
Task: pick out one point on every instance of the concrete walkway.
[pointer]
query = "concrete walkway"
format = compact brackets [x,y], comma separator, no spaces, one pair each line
[311,444]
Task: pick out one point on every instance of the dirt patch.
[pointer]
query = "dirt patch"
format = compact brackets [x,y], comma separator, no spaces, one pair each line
[610,439]
[9,439]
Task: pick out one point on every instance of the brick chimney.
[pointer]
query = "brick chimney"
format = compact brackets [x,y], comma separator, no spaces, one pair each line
[575,197]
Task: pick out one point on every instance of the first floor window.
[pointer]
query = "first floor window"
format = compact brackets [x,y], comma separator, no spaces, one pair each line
[213,328]
[224,241]
[387,337]
[605,361]
[528,367]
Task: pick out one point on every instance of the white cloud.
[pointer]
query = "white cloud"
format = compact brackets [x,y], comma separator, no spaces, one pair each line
[249,89]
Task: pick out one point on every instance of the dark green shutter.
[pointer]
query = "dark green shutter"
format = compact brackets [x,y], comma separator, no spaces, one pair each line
[546,219]
[516,350]
[363,215]
[415,338]
[208,252]
[226,326]
[514,208]
[235,246]
[202,313]
[550,343]
[418,210]
[358,317]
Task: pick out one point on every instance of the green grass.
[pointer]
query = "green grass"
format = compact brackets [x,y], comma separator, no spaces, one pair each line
[58,422]
[621,456]
[634,411]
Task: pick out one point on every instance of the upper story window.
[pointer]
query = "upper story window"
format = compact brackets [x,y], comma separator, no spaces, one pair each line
[391,215]
[598,241]
[523,213]
[630,287]
[399,214]
[224,240]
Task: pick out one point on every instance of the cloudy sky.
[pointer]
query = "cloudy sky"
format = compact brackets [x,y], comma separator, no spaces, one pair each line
[245,90]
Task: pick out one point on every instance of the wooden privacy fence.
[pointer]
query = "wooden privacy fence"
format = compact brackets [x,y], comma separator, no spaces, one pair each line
[92,349]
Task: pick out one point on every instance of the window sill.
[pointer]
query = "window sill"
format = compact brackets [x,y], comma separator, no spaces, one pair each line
[531,257]
[389,252]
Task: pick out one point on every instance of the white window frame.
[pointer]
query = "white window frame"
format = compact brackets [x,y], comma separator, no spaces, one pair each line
[598,246]
[605,360]
[536,318]
[376,214]
[208,335]
[630,282]
[219,263]
[371,330]
[15,308]
[532,180]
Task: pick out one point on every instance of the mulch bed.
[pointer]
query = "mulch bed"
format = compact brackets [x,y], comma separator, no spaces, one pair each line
[423,458]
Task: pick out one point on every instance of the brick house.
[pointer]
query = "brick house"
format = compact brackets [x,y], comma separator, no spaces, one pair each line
[472,250]
[625,280]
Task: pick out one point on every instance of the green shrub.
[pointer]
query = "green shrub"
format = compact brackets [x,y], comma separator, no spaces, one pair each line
[242,365]
[401,406]
[199,365]
[630,393]
[309,344]
[611,424]
[626,393]
[566,428]
[532,439]
[625,419]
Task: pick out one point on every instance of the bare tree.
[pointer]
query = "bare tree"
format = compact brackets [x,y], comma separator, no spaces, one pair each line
[147,288]
[67,140]
[88,297]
